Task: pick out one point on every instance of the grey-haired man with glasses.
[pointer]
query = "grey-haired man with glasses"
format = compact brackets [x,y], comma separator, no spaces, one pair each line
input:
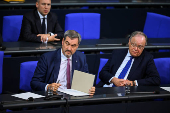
[133,66]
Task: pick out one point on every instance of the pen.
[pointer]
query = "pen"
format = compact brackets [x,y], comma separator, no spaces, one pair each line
[58,81]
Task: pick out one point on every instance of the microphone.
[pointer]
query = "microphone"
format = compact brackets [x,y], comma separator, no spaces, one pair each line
[30,99]
[53,97]
[154,92]
[2,48]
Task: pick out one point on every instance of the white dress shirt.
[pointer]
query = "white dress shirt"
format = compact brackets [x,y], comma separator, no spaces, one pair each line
[126,59]
[41,18]
[62,77]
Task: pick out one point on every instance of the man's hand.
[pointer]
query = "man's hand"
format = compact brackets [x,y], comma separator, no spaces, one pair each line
[43,37]
[92,91]
[118,82]
[128,82]
[55,86]
[52,38]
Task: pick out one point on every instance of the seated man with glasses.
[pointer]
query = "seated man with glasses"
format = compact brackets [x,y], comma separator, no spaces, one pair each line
[133,66]
[56,68]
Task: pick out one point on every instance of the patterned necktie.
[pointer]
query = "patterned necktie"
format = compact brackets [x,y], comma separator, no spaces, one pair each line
[125,69]
[68,74]
[43,26]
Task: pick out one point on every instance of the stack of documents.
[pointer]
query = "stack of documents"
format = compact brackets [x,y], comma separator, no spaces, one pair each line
[27,95]
[81,84]
[166,88]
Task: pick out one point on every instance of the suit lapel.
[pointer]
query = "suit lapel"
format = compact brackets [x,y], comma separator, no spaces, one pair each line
[49,23]
[38,22]
[136,63]
[57,61]
[119,60]
[74,61]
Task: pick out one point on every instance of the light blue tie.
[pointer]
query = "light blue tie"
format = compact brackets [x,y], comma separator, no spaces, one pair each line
[125,69]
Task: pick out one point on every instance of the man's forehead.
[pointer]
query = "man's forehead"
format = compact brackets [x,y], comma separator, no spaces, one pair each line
[72,41]
[138,36]
[45,1]
[140,39]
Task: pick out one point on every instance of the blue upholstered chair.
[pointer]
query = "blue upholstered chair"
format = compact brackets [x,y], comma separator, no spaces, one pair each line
[85,7]
[102,63]
[87,24]
[1,68]
[109,7]
[11,28]
[163,67]
[26,73]
[157,26]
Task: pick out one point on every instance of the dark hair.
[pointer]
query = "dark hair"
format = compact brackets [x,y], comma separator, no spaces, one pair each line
[139,33]
[72,34]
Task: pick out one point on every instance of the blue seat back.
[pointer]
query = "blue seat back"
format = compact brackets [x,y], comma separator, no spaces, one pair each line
[157,26]
[85,7]
[102,63]
[11,28]
[26,73]
[163,67]
[87,24]
[1,68]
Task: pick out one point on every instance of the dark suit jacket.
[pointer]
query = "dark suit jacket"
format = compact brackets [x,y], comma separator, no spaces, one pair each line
[31,26]
[143,69]
[48,67]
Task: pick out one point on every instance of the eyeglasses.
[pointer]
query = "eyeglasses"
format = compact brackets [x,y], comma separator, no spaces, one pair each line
[68,44]
[138,46]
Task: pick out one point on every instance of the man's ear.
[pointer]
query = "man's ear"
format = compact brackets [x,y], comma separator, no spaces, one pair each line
[129,41]
[36,4]
[62,41]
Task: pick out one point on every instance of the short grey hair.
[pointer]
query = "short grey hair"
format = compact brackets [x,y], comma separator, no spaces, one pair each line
[139,33]
[72,34]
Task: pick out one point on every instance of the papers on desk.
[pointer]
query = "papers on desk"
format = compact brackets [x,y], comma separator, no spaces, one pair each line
[166,88]
[27,95]
[73,92]
[81,84]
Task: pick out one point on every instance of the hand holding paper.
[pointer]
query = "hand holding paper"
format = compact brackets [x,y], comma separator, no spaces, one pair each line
[81,84]
[92,91]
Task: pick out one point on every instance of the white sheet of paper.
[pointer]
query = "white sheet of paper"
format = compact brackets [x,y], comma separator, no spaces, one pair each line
[27,95]
[73,92]
[166,88]
[81,84]
[82,81]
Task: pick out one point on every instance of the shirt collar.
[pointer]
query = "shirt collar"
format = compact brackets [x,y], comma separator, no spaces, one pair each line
[128,54]
[41,15]
[63,57]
